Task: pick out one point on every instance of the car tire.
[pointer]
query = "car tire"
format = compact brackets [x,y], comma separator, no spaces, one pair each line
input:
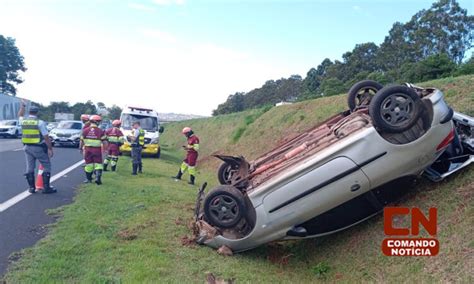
[224,206]
[356,100]
[16,135]
[395,109]
[224,174]
[158,154]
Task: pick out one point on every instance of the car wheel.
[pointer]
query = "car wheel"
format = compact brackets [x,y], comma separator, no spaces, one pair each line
[225,172]
[224,206]
[361,93]
[395,109]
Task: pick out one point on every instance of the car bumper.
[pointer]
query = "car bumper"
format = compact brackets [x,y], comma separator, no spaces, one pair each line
[66,142]
[150,149]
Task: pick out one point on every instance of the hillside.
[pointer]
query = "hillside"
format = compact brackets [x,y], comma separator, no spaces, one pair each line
[131,231]
[252,132]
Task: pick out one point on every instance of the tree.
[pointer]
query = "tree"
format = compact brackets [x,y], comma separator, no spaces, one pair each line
[11,63]
[114,112]
[433,67]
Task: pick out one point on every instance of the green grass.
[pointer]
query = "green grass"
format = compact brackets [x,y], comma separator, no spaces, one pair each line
[134,229]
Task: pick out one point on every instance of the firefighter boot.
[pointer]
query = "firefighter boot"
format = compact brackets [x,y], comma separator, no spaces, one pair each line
[98,177]
[88,178]
[30,178]
[140,167]
[134,169]
[178,176]
[47,188]
[112,168]
[191,180]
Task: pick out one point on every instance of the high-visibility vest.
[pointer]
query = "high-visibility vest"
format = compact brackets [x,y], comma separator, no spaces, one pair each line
[141,137]
[114,137]
[91,141]
[31,132]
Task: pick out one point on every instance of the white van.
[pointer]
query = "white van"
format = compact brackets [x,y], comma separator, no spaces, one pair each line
[149,122]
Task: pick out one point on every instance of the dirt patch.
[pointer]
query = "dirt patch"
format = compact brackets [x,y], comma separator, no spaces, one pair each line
[179,221]
[127,235]
[277,255]
[188,241]
[211,279]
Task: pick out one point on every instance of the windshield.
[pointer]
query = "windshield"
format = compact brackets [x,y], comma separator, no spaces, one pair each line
[70,125]
[8,122]
[148,123]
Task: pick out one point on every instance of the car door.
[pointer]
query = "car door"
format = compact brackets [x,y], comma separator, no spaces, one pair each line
[316,191]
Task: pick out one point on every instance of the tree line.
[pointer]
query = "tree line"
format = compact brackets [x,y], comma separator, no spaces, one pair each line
[47,111]
[431,45]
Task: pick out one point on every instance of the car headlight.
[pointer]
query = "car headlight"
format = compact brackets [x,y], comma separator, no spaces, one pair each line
[155,140]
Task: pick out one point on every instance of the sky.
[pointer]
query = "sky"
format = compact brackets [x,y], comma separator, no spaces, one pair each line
[184,56]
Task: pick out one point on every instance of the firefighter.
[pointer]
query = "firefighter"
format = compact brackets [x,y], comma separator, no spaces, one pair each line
[37,147]
[189,162]
[138,141]
[115,140]
[85,121]
[92,139]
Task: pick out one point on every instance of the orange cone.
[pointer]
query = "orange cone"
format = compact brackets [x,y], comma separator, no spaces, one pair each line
[39,178]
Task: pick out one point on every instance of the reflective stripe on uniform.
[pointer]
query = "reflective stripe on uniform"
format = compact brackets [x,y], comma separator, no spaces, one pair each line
[92,142]
[141,137]
[31,132]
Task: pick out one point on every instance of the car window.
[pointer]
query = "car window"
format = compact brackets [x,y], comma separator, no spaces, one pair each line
[69,125]
[148,123]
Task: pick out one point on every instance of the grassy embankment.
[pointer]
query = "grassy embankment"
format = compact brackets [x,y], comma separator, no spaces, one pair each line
[133,229]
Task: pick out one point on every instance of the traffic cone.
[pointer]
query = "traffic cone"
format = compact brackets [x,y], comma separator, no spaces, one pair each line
[39,178]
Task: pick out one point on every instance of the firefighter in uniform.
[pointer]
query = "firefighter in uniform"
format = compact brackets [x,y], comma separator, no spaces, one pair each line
[138,141]
[37,147]
[189,162]
[92,139]
[85,121]
[115,140]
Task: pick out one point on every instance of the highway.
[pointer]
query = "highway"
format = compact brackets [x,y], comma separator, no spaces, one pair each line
[22,215]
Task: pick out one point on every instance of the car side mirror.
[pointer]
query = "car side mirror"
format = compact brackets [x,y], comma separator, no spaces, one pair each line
[161,129]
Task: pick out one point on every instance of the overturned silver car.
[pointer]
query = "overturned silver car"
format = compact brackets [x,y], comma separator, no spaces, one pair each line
[339,173]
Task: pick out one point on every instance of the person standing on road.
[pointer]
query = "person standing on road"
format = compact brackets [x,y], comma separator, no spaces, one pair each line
[92,139]
[138,141]
[115,140]
[191,155]
[37,147]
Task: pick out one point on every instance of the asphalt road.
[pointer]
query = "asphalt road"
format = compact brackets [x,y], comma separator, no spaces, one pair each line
[22,224]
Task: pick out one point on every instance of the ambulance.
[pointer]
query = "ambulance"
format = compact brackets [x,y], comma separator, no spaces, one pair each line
[149,122]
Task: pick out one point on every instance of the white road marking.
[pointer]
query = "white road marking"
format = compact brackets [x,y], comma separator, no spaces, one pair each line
[19,197]
[16,150]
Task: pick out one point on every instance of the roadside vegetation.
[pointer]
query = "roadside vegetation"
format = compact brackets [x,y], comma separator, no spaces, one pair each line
[135,229]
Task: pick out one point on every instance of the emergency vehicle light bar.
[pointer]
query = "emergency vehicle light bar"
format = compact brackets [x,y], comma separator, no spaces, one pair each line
[140,109]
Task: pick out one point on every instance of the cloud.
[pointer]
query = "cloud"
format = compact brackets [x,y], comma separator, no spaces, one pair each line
[169,2]
[141,7]
[158,34]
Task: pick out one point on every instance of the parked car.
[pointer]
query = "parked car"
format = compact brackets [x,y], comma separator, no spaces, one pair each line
[67,133]
[338,173]
[10,128]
